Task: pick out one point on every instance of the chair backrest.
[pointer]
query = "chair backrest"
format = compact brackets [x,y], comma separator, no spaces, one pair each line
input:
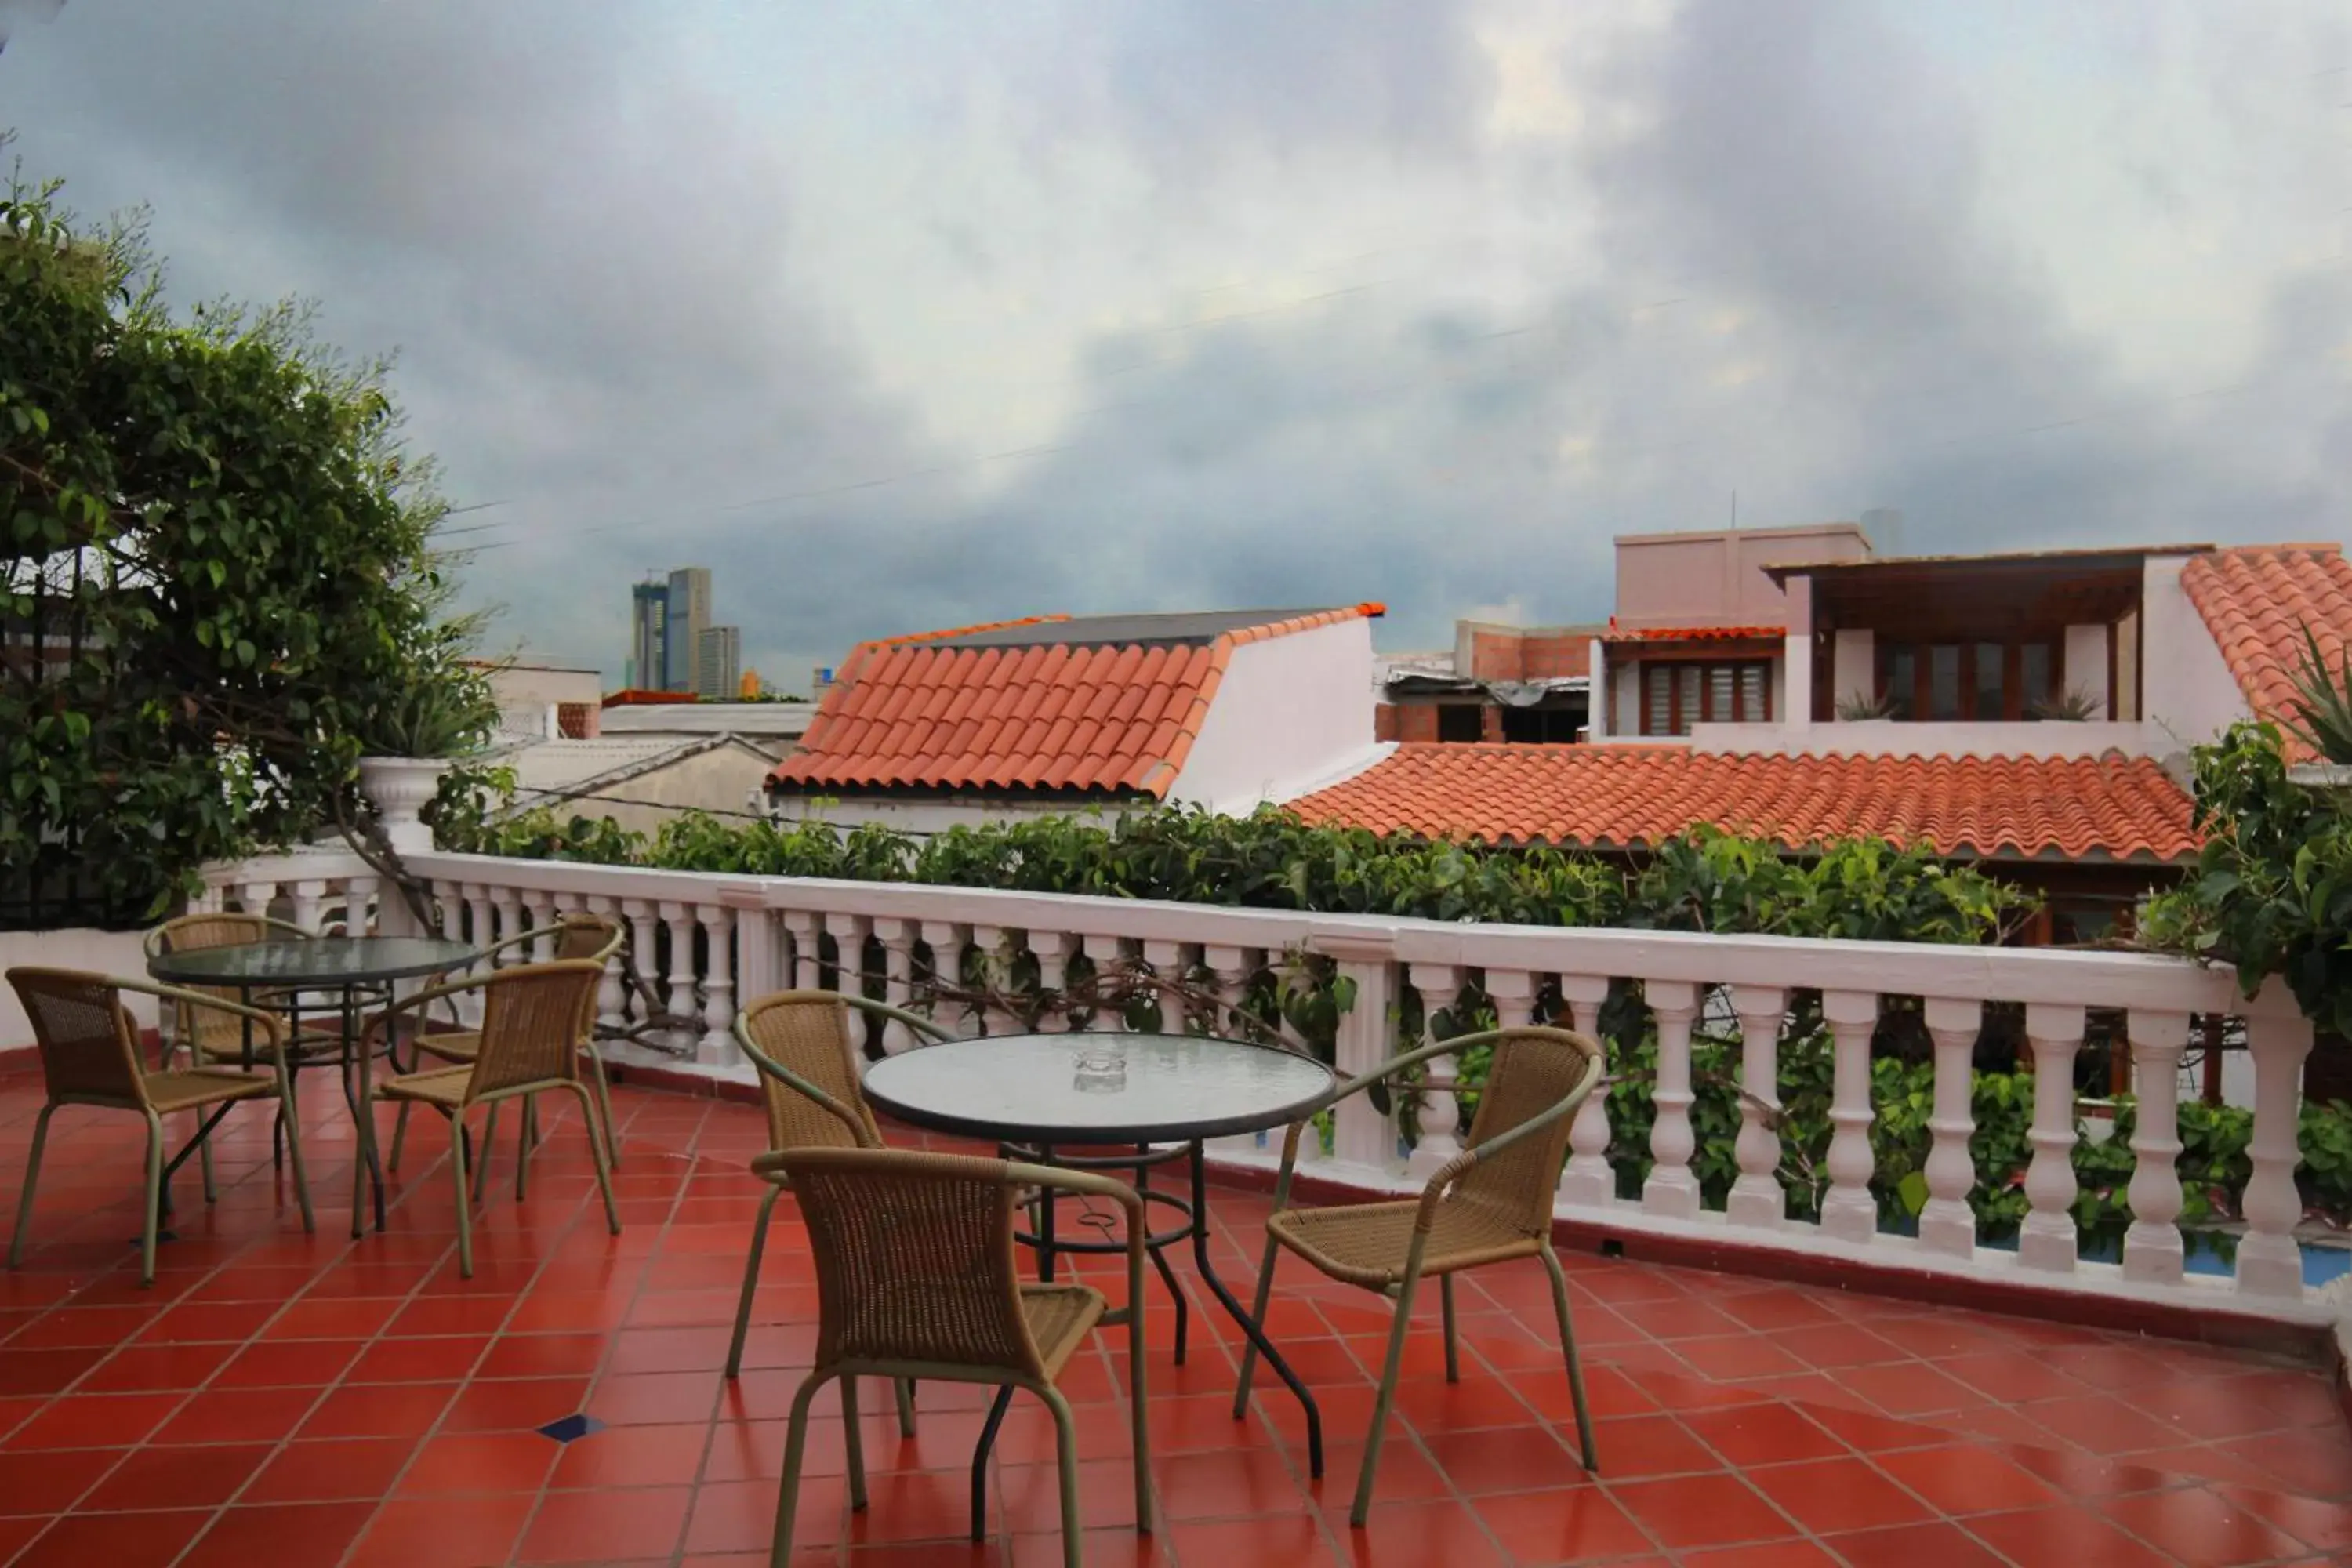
[914,1259]
[1531,1070]
[532,1017]
[88,1045]
[209,1030]
[588,936]
[808,1034]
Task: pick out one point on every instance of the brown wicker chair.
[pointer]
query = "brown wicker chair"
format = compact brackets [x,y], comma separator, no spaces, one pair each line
[1490,1204]
[530,1046]
[210,1036]
[916,1278]
[801,1044]
[593,938]
[89,1055]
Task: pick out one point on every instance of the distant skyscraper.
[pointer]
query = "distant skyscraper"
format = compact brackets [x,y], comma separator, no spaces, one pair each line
[689,617]
[719,664]
[648,634]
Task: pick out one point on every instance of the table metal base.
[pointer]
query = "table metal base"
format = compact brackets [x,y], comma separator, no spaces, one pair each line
[1195,1227]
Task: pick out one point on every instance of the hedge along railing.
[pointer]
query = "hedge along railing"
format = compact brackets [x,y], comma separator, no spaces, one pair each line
[725,938]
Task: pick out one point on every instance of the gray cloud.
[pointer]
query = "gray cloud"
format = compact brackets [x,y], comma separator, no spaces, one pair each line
[913,285]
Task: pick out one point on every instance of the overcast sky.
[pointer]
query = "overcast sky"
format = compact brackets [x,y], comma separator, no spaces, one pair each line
[901,315]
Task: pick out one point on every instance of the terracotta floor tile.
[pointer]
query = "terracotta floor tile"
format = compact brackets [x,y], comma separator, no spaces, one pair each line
[115,1539]
[297,1382]
[1701,1511]
[295,1535]
[604,1526]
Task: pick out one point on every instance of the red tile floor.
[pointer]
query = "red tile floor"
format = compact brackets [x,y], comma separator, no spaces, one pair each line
[301,1403]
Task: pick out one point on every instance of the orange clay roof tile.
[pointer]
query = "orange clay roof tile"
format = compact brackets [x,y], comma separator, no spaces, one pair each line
[2257,602]
[1614,797]
[1118,717]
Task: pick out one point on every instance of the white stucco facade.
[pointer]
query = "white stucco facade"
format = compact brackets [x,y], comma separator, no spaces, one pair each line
[1290,712]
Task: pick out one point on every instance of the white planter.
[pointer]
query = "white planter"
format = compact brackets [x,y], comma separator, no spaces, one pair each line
[400,787]
[2321,775]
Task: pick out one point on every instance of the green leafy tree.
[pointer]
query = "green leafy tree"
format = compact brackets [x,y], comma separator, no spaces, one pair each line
[219,584]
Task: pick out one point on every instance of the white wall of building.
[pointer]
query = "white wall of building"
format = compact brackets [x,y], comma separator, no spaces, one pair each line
[1291,710]
[1853,668]
[2189,693]
[926,817]
[2085,667]
[1892,738]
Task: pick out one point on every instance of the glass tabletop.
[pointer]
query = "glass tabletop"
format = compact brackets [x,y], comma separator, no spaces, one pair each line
[325,960]
[1097,1088]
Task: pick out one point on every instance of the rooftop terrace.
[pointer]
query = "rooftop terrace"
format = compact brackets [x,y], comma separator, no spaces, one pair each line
[318,1403]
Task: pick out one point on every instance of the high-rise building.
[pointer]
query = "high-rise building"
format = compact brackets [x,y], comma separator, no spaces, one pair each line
[719,664]
[689,617]
[648,634]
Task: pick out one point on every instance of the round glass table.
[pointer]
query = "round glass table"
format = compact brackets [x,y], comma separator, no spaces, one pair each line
[1153,1097]
[348,965]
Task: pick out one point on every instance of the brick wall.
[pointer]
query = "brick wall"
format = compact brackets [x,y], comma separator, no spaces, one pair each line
[1414,721]
[1490,722]
[1530,656]
[1384,722]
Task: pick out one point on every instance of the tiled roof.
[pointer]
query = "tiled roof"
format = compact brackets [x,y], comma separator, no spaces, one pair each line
[1117,718]
[1690,633]
[1618,796]
[2256,604]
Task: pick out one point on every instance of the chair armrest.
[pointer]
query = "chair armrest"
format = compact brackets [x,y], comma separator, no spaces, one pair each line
[384,1019]
[769,1069]
[1095,1185]
[930,1031]
[273,1027]
[1453,1170]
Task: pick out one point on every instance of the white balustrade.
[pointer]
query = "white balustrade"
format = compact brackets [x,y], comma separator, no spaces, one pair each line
[1052,950]
[717,1048]
[2269,1262]
[1756,1197]
[1231,968]
[1166,959]
[779,926]
[1672,1188]
[2153,1249]
[645,953]
[946,941]
[1588,1178]
[611,991]
[2048,1237]
[897,939]
[1441,1114]
[1947,1223]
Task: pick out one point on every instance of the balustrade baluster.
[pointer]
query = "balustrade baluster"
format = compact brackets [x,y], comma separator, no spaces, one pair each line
[946,940]
[255,898]
[1053,950]
[1848,1210]
[644,951]
[508,904]
[2153,1251]
[309,898]
[678,994]
[2269,1261]
[995,946]
[898,939]
[612,993]
[538,912]
[1232,969]
[1588,1178]
[1756,1196]
[480,933]
[1441,1113]
[1360,1135]
[2048,1238]
[1947,1225]
[1671,1189]
[1166,959]
[756,966]
[717,1048]
[800,928]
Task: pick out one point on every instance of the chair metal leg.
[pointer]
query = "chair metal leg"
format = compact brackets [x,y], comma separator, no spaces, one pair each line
[1452,1356]
[605,1104]
[751,1279]
[489,1146]
[294,1150]
[154,1199]
[906,1390]
[1066,1454]
[1395,1364]
[1568,1351]
[528,1129]
[854,1440]
[788,1494]
[464,1203]
[399,1137]
[205,1159]
[980,1452]
[1257,1316]
[596,1147]
[32,1180]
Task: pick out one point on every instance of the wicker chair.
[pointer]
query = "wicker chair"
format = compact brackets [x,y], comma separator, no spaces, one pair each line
[209,1037]
[529,1044]
[1490,1204]
[916,1278]
[591,938]
[800,1042]
[89,1055]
